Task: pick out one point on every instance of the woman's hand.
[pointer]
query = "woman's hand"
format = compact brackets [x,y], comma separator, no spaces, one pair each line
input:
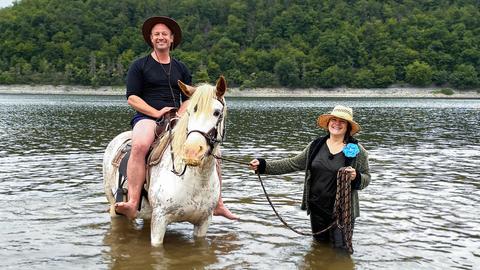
[352,173]
[254,164]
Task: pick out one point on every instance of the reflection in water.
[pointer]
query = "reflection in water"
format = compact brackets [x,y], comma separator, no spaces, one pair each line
[322,256]
[130,247]
[419,212]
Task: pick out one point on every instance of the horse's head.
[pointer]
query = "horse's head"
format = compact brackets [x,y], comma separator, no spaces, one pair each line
[203,122]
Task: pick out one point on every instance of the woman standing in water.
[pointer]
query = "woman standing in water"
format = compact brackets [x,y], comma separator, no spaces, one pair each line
[321,160]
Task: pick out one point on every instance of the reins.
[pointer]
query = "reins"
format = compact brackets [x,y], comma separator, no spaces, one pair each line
[341,212]
[177,173]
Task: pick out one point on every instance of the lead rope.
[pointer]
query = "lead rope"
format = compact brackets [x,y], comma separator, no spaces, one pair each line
[341,210]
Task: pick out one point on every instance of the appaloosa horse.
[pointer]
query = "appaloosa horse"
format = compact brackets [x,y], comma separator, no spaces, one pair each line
[183,182]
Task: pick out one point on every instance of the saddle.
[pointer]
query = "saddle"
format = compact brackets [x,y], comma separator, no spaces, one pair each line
[120,161]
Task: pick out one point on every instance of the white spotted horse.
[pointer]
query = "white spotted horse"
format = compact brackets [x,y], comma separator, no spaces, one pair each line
[183,184]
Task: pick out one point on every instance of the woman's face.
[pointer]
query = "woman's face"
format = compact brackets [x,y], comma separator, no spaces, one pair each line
[337,126]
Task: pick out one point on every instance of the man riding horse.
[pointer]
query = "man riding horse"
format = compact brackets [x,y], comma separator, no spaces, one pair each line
[153,92]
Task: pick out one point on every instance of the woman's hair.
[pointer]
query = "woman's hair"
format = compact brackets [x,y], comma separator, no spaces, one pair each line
[347,134]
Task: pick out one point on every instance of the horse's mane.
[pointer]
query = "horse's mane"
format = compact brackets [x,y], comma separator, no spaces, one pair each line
[202,100]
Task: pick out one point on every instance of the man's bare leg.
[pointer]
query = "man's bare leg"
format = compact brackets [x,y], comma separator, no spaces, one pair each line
[143,135]
[221,209]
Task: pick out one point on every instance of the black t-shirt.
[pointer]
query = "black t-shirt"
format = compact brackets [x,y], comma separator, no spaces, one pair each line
[148,79]
[324,180]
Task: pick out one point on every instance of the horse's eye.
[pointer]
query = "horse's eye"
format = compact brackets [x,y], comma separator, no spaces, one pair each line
[216,113]
[195,108]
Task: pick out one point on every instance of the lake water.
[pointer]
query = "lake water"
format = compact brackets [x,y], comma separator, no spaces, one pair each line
[419,212]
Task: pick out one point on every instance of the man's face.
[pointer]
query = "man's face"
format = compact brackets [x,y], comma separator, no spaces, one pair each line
[161,37]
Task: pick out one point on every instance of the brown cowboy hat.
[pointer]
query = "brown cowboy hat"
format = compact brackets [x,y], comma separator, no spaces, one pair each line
[169,22]
[342,112]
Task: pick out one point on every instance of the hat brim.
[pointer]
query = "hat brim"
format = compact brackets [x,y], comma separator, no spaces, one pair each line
[323,120]
[169,22]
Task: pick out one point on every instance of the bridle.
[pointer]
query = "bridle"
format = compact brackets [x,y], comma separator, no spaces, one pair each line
[212,134]
[211,138]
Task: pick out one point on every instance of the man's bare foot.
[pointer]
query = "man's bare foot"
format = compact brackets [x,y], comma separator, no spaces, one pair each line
[127,209]
[221,210]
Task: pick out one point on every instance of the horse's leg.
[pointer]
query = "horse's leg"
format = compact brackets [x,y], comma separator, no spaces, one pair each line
[200,230]
[159,226]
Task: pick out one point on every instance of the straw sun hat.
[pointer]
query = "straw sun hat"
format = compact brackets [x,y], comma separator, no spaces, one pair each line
[341,112]
[169,22]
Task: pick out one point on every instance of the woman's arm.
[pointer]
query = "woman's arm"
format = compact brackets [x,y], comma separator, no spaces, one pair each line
[286,165]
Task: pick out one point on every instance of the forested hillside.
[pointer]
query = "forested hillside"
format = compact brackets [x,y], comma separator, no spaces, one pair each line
[254,43]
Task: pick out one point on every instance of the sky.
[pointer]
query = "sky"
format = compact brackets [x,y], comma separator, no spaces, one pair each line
[5,3]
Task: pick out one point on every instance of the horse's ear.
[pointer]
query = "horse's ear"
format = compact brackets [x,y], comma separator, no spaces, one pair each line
[186,89]
[221,86]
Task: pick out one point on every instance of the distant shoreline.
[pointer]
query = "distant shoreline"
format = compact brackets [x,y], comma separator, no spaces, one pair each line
[391,92]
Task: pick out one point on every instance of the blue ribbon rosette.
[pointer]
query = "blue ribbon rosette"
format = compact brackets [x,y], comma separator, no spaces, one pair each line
[351,150]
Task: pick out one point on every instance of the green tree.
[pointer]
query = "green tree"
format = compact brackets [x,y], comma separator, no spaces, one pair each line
[384,75]
[332,77]
[440,77]
[287,72]
[345,42]
[363,78]
[419,74]
[201,75]
[265,79]
[464,77]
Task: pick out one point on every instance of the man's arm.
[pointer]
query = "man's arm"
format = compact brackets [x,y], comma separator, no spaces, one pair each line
[140,105]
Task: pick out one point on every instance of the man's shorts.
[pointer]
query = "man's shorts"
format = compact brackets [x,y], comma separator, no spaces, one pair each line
[137,117]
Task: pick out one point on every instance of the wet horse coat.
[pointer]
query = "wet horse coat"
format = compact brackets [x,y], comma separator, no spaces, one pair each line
[173,196]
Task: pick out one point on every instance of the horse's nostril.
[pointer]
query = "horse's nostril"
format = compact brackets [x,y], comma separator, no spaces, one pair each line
[201,148]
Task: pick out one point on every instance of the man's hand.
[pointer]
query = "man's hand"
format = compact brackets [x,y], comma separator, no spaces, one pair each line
[163,111]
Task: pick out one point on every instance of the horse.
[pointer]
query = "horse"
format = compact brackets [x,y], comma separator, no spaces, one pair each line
[183,184]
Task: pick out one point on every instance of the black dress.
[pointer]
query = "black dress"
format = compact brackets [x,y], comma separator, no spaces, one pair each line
[324,168]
